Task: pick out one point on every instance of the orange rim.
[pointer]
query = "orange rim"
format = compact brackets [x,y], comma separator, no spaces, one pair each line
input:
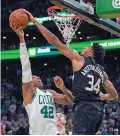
[49,10]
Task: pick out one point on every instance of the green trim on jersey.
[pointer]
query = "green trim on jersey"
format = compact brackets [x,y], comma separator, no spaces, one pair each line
[34,95]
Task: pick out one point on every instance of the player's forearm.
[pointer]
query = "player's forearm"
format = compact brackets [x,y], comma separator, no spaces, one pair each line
[108,97]
[112,93]
[26,67]
[110,89]
[22,40]
[68,95]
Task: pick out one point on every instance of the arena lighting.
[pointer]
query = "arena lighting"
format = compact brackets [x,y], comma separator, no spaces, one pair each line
[4,37]
[79,32]
[34,38]
[45,64]
[27,35]
[115,58]
[88,37]
[81,38]
[50,50]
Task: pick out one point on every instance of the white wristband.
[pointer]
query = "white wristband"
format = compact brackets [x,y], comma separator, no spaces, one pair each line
[26,67]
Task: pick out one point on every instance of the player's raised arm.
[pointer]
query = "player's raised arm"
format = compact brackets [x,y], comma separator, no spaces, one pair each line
[27,87]
[67,98]
[112,93]
[53,40]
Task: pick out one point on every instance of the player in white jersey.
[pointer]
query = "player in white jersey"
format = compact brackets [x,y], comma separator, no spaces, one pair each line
[38,102]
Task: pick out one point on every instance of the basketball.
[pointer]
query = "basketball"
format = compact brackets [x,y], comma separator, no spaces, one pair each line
[19,18]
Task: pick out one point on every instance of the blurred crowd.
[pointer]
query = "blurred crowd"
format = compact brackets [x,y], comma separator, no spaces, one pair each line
[14,117]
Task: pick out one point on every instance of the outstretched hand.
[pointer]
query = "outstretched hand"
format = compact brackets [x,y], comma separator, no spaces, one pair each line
[59,82]
[29,14]
[18,31]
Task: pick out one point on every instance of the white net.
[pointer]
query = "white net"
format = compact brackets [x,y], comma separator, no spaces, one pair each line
[67,24]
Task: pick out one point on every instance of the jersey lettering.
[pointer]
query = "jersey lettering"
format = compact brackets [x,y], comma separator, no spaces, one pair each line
[47,99]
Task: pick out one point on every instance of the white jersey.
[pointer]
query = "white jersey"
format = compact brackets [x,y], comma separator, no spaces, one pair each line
[42,114]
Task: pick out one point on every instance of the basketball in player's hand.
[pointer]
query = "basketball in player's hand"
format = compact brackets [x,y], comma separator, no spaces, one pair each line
[19,18]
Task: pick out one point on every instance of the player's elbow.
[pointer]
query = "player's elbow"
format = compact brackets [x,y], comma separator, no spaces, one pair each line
[70,101]
[116,96]
[114,93]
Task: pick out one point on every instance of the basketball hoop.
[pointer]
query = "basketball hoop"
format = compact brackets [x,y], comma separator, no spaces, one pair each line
[66,22]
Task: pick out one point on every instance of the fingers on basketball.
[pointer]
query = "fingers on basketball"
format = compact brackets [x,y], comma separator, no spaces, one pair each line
[13,26]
